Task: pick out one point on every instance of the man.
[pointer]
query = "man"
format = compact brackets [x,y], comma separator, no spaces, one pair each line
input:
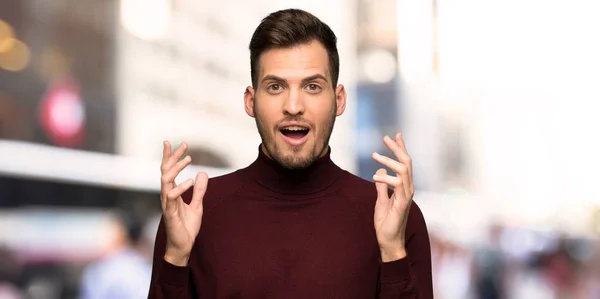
[124,273]
[292,224]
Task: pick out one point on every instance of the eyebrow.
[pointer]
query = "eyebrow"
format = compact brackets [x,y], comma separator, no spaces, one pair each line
[304,81]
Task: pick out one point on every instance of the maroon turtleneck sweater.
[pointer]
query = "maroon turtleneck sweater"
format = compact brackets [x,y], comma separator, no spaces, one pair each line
[269,232]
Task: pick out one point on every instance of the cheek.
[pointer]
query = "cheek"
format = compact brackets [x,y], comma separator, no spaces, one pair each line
[323,115]
[265,116]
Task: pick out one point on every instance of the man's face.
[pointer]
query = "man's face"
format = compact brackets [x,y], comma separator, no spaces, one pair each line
[295,104]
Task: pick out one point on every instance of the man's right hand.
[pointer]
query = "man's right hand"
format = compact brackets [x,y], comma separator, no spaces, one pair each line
[182,221]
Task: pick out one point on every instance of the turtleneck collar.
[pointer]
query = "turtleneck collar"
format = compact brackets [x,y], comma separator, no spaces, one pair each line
[320,175]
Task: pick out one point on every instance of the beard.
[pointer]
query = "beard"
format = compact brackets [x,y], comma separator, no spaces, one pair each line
[300,157]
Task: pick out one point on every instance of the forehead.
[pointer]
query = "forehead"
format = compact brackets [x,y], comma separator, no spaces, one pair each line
[295,62]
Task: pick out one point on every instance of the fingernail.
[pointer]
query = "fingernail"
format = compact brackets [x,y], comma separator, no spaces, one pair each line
[387,138]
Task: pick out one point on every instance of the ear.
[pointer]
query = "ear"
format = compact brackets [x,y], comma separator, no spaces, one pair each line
[249,101]
[340,98]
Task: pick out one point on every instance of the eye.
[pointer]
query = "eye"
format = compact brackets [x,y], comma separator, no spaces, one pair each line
[312,87]
[274,87]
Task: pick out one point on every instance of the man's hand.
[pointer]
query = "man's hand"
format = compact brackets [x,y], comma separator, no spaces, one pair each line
[182,221]
[391,212]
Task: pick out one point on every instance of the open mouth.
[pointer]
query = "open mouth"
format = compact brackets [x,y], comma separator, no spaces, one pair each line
[294,133]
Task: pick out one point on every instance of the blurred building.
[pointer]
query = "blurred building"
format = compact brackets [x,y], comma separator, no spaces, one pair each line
[378,98]
[56,74]
[498,107]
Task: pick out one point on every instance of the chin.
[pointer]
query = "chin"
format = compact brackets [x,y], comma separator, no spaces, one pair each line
[295,163]
[295,156]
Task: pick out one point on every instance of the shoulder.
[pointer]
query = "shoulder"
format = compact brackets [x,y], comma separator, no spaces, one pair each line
[364,192]
[218,188]
[358,192]
[357,187]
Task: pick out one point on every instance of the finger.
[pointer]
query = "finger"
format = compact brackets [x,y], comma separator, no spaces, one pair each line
[167,179]
[177,191]
[397,167]
[400,169]
[399,197]
[400,141]
[399,148]
[166,155]
[399,152]
[199,190]
[396,149]
[382,188]
[391,181]
[169,202]
[174,171]
[166,150]
[175,157]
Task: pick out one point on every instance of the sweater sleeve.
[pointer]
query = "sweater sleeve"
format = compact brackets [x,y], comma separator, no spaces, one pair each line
[168,281]
[410,277]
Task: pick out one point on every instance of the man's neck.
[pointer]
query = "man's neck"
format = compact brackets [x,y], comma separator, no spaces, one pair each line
[272,175]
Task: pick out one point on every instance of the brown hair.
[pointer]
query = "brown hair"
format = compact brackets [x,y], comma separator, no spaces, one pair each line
[291,27]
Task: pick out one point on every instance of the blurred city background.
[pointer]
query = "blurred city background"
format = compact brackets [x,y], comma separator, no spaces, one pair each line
[498,102]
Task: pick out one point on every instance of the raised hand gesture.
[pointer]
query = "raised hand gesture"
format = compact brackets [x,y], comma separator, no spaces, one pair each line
[182,221]
[391,212]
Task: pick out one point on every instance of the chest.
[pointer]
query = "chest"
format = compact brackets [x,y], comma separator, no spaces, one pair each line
[266,248]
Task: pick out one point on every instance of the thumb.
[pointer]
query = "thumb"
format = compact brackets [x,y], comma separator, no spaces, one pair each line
[199,189]
[382,188]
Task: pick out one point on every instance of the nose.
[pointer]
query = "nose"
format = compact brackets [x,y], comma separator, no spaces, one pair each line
[293,104]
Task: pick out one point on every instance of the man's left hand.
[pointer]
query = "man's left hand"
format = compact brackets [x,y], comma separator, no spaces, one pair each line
[391,212]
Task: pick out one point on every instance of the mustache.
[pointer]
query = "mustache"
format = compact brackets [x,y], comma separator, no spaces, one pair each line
[297,119]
